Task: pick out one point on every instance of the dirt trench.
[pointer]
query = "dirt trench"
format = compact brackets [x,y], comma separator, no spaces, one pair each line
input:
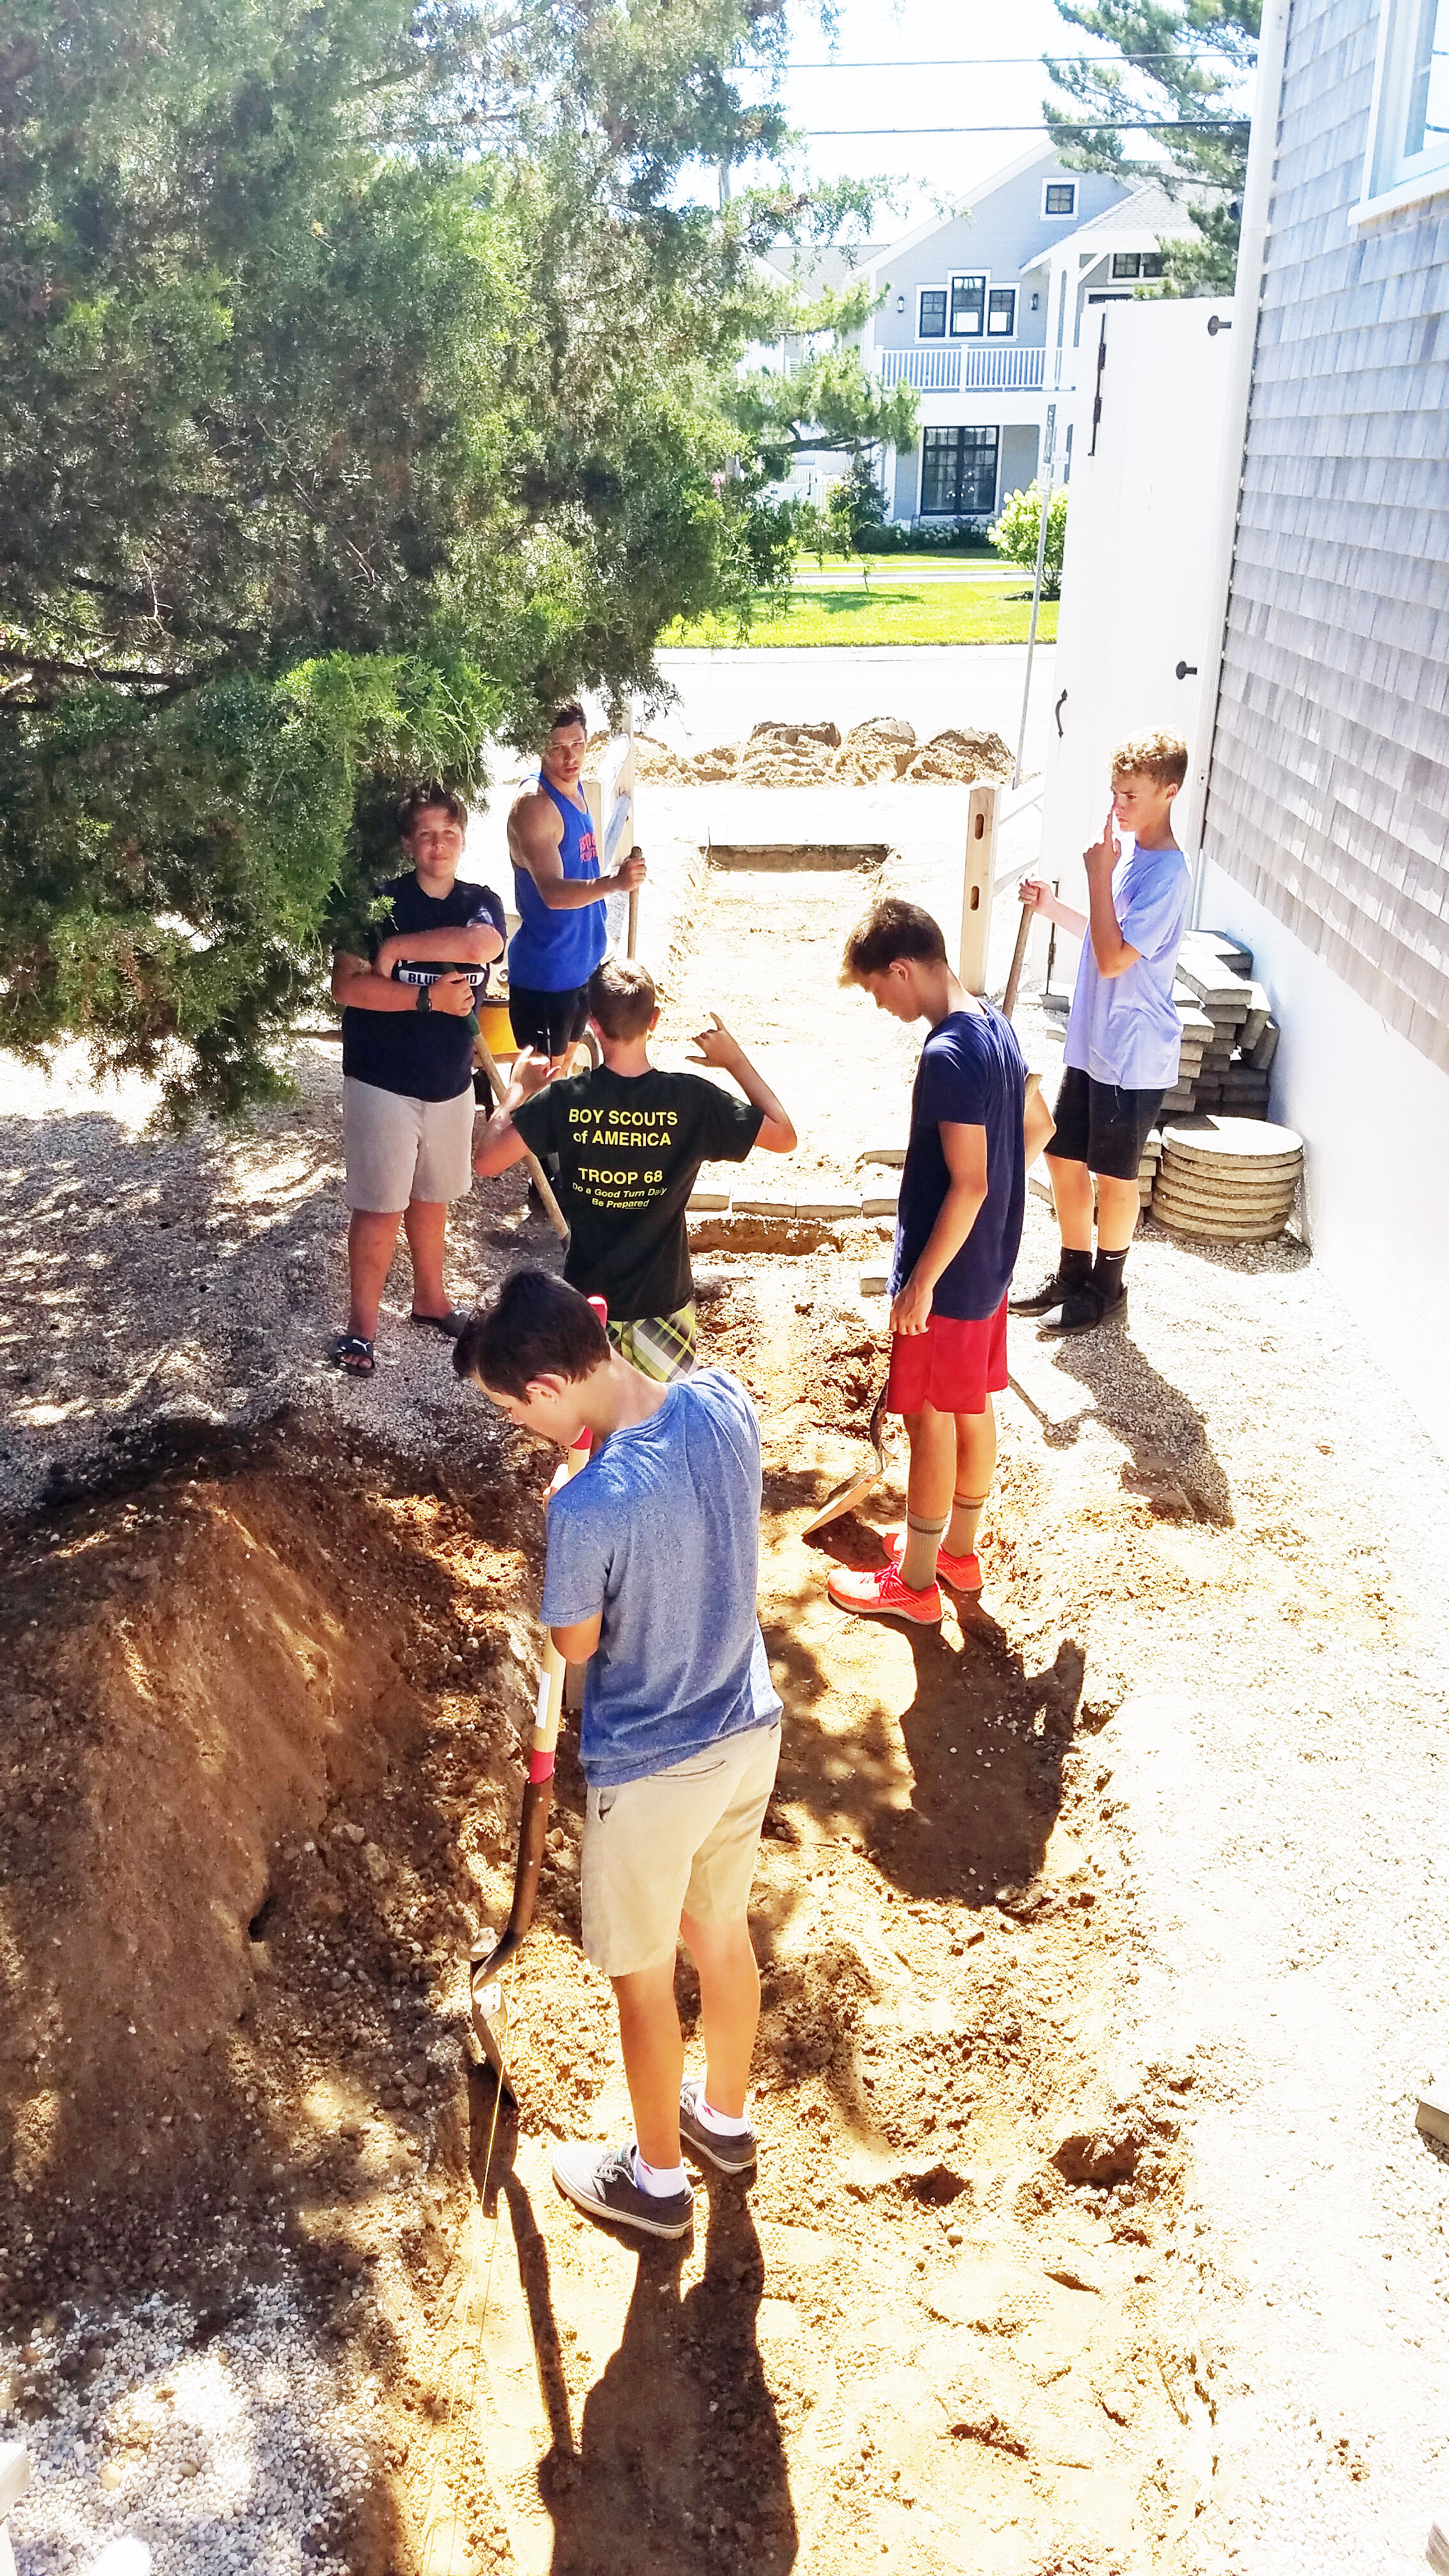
[263,1757]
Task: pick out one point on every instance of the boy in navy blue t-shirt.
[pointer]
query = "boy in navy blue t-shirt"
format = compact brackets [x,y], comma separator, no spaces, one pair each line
[958,1227]
[1123,1036]
[653,1553]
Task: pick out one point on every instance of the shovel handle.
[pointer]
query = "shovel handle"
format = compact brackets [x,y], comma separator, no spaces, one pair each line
[538,1789]
[1023,933]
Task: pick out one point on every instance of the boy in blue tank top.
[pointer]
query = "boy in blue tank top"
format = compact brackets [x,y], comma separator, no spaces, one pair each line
[560,896]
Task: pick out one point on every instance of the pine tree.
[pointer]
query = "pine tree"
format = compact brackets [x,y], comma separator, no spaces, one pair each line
[367,381]
[1188,65]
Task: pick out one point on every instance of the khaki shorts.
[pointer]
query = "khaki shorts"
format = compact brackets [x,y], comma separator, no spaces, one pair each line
[397,1149]
[682,1841]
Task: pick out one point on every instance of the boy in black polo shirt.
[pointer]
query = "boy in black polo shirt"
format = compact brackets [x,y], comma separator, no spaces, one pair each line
[407,1069]
[630,1140]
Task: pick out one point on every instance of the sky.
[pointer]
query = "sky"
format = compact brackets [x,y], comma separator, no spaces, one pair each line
[996,89]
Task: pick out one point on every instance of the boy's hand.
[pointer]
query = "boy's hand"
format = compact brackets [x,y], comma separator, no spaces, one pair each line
[530,1073]
[1103,855]
[452,994]
[1034,893]
[716,1046]
[911,1309]
[631,871]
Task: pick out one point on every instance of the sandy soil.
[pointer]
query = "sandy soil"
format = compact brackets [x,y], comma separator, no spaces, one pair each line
[814,753]
[1102,1934]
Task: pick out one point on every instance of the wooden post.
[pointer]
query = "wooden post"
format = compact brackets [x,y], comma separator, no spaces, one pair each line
[978,880]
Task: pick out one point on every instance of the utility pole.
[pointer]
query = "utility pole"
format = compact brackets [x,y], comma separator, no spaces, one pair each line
[1044,479]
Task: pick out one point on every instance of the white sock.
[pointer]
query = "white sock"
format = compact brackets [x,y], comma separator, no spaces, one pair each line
[660,2182]
[718,2121]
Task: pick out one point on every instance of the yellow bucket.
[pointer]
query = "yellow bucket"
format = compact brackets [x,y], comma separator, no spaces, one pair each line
[495,1027]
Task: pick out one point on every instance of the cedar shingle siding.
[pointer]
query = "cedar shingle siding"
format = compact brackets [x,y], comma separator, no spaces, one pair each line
[1329,790]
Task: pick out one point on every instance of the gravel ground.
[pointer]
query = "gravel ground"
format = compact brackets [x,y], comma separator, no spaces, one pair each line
[209,2453]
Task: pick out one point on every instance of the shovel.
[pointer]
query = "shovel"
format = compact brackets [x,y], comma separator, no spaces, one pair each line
[843,1497]
[490,2013]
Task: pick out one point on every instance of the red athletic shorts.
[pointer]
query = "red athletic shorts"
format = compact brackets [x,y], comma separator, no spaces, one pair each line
[952,1366]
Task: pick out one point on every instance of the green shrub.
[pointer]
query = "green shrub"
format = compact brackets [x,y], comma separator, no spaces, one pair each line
[1019,526]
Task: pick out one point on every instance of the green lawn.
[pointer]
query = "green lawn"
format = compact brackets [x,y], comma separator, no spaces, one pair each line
[893,611]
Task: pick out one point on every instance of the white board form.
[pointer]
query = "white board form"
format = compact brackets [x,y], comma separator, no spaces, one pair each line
[610,799]
[1136,641]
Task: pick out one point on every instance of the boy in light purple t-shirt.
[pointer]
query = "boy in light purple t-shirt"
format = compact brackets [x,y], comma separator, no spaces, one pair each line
[1123,1036]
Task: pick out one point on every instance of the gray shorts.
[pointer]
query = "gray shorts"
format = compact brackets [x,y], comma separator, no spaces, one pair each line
[682,1841]
[397,1149]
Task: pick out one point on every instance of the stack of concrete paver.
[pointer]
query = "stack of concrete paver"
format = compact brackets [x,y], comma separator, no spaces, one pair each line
[1229,1035]
[1226,1179]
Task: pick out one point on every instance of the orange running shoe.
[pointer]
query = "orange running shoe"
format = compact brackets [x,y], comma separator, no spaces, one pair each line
[880,1594]
[963,1573]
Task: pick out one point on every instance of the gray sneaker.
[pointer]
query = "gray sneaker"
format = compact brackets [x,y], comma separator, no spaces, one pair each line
[600,2182]
[727,2155]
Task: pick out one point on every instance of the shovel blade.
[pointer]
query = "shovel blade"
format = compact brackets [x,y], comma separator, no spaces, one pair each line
[490,2019]
[843,1498]
[853,1489]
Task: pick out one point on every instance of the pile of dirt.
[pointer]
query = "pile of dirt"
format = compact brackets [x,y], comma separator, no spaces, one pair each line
[884,748]
[201,1671]
[954,755]
[879,749]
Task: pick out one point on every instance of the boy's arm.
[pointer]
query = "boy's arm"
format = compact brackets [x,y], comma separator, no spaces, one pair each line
[1036,896]
[536,841]
[1038,1124]
[476,944]
[500,1146]
[357,987]
[965,1152]
[1114,954]
[577,1643]
[717,1047]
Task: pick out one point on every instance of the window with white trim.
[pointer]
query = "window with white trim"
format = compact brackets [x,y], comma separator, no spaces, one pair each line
[1059,197]
[958,472]
[1001,313]
[968,306]
[1136,263]
[932,323]
[1409,147]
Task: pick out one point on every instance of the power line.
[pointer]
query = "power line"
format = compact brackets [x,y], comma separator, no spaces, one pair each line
[988,62]
[1103,125]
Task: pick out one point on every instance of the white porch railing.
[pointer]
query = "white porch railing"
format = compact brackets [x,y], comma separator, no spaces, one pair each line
[951,371]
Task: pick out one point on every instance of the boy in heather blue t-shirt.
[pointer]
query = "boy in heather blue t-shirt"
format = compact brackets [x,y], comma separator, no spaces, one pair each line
[1123,1036]
[653,1553]
[958,1226]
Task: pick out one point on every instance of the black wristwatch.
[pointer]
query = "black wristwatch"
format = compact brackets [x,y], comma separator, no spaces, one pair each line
[424,1001]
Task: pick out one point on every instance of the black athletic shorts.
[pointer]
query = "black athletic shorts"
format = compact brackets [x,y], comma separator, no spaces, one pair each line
[548,1022]
[1103,1126]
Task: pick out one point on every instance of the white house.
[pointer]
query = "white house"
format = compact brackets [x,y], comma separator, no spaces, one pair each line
[983,315]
